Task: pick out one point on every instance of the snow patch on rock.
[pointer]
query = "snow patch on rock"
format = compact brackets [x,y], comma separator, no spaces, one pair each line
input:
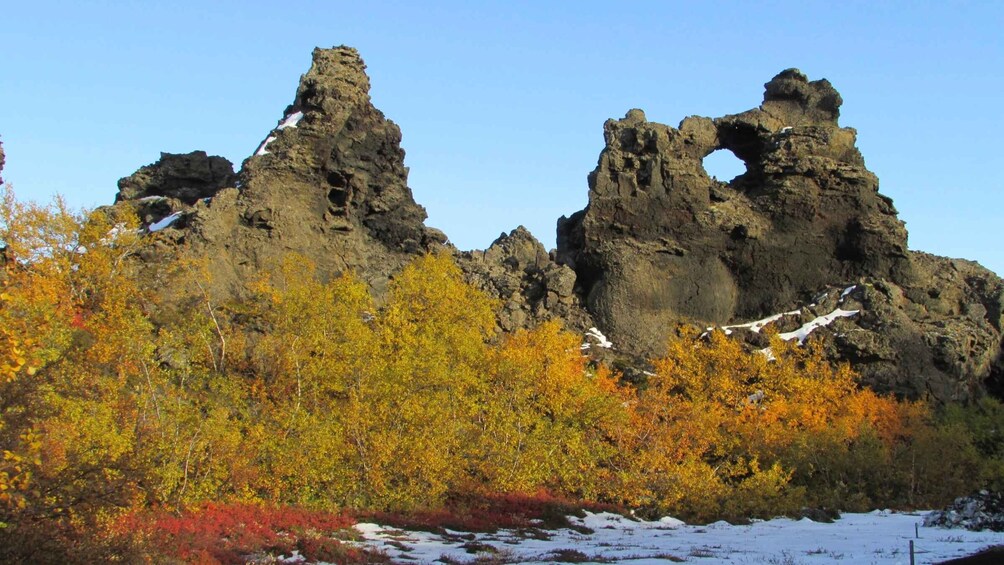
[597,336]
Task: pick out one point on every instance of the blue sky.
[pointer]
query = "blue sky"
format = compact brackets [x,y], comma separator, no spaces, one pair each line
[502,103]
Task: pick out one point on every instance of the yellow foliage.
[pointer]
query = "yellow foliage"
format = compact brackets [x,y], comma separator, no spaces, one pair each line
[412,421]
[75,337]
[310,392]
[544,416]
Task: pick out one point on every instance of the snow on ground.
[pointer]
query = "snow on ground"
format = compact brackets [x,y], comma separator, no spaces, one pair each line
[113,234]
[262,148]
[846,292]
[291,120]
[806,329]
[288,121]
[877,537]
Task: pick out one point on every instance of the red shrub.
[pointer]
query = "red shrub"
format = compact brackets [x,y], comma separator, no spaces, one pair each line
[230,533]
[490,512]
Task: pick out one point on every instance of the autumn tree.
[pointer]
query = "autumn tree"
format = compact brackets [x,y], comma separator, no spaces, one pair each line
[77,340]
[545,416]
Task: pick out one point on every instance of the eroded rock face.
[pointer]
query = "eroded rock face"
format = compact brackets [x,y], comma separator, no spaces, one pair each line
[328,182]
[175,183]
[340,157]
[184,177]
[660,241]
[937,336]
[531,286]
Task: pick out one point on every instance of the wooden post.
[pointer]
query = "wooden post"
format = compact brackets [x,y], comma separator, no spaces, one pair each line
[911,553]
[916,531]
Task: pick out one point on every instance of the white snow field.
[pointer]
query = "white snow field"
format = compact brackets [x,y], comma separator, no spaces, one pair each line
[875,537]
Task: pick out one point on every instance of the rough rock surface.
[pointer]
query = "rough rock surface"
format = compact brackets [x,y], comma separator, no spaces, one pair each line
[185,177]
[531,286]
[937,336]
[328,182]
[942,343]
[175,183]
[661,242]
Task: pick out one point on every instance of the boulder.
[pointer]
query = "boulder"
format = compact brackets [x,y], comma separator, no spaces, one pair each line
[980,512]
[185,177]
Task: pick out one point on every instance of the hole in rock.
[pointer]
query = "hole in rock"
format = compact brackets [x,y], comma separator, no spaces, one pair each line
[338,180]
[723,165]
[338,197]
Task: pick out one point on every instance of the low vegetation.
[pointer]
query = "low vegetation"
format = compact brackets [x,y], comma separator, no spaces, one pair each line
[169,426]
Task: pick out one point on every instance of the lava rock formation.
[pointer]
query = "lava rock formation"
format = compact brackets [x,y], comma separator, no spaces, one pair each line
[659,243]
[328,182]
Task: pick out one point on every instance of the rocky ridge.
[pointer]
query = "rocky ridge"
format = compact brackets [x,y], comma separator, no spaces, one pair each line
[530,284]
[659,243]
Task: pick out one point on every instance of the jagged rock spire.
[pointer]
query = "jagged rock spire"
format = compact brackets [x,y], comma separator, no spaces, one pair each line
[328,182]
[339,156]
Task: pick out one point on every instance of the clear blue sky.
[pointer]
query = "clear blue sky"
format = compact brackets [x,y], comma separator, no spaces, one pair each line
[502,103]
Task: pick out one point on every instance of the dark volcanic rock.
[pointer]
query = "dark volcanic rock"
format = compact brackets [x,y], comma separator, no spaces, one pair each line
[343,155]
[174,183]
[328,182]
[938,335]
[531,286]
[661,241]
[185,177]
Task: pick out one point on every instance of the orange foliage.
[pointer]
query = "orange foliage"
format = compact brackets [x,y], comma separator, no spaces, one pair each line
[718,431]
